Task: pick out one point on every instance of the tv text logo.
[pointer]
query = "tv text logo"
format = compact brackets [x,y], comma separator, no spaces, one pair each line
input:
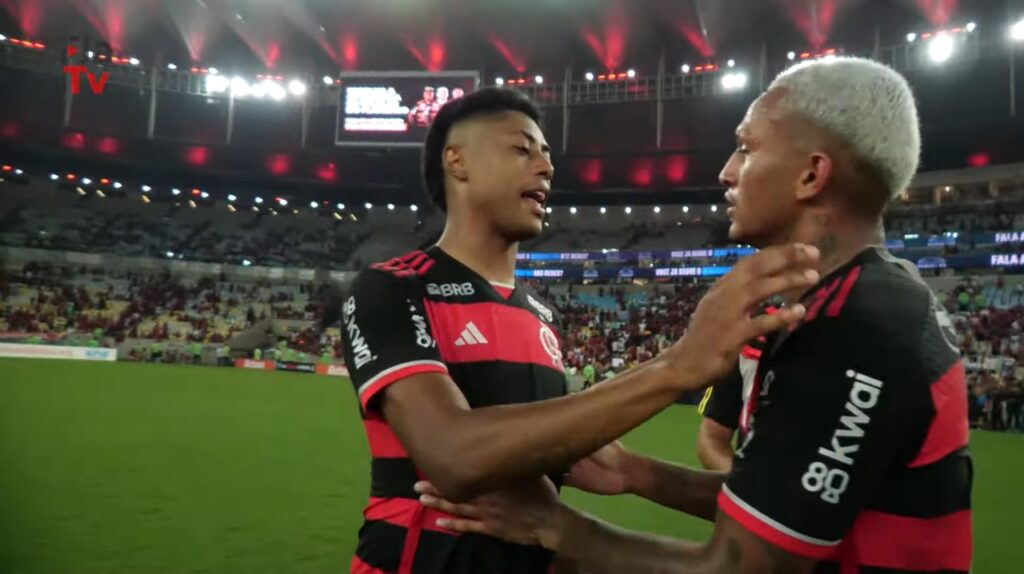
[75,72]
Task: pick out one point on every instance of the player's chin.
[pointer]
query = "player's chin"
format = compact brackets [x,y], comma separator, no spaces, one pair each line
[526,229]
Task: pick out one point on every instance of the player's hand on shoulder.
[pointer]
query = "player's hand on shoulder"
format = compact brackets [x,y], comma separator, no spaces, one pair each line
[723,322]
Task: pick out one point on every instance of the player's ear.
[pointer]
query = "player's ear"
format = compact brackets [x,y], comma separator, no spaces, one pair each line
[454,162]
[815,176]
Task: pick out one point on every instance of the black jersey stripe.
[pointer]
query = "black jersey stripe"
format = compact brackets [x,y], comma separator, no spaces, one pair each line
[929,491]
[393,478]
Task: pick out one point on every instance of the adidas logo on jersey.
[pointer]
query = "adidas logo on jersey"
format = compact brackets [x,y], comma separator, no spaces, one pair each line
[470,336]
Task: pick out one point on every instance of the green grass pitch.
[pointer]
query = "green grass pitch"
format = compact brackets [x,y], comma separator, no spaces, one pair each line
[127,468]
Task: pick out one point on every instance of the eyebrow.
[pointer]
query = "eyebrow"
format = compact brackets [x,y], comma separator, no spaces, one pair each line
[544,147]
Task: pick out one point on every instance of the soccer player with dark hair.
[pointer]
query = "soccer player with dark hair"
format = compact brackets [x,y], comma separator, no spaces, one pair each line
[458,367]
[855,459]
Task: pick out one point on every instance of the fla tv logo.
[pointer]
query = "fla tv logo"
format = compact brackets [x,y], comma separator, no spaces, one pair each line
[75,72]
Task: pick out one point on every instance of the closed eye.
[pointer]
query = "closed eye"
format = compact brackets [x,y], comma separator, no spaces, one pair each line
[523,150]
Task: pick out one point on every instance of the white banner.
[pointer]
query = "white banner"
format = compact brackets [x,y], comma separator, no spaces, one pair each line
[55,352]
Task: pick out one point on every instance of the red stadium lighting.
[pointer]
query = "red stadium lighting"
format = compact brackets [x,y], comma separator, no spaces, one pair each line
[805,55]
[621,76]
[7,168]
[980,159]
[196,192]
[699,69]
[16,41]
[602,77]
[926,35]
[104,181]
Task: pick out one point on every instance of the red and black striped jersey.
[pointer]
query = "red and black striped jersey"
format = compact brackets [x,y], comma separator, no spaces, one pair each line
[426,312]
[856,446]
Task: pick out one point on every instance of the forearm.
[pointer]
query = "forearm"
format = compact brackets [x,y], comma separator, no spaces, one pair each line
[715,452]
[498,445]
[597,547]
[675,486]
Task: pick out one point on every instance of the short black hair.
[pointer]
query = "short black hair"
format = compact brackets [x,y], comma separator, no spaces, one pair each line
[483,102]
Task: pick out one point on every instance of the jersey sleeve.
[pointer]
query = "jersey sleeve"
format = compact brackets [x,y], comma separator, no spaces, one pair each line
[833,414]
[724,401]
[386,333]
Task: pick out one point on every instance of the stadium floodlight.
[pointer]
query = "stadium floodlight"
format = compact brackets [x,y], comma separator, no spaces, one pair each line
[19,172]
[259,90]
[240,88]
[731,63]
[86,181]
[714,209]
[657,209]
[213,71]
[499,81]
[258,200]
[604,210]
[312,205]
[940,48]
[54,177]
[391,207]
[172,66]
[1017,31]
[175,191]
[282,202]
[538,79]
[217,84]
[170,254]
[685,68]
[791,55]
[340,206]
[734,81]
[205,195]
[328,80]
[686,209]
[134,61]
[911,37]
[631,73]
[297,88]
[971,26]
[628,210]
[3,38]
[368,205]
[414,207]
[232,197]
[276,91]
[549,210]
[246,263]
[589,76]
[572,210]
[117,185]
[91,54]
[146,189]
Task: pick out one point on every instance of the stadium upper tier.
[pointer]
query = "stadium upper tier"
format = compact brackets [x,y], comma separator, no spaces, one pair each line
[55,216]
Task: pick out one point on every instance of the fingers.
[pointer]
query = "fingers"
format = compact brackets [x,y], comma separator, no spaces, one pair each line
[438,503]
[781,319]
[426,487]
[792,281]
[775,260]
[463,526]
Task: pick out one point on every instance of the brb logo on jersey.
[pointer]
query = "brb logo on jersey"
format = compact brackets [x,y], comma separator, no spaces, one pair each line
[832,482]
[451,289]
[361,353]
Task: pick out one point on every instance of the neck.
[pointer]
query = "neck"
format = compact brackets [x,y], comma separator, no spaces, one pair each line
[478,247]
[838,239]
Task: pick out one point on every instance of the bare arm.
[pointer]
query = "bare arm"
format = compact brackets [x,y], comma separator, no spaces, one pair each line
[469,451]
[675,486]
[600,548]
[714,445]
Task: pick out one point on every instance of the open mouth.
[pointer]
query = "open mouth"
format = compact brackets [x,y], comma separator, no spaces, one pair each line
[537,198]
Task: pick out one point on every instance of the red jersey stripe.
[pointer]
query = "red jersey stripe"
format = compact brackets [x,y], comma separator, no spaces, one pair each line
[844,292]
[819,299]
[404,512]
[895,542]
[510,334]
[394,374]
[948,430]
[772,531]
[383,441]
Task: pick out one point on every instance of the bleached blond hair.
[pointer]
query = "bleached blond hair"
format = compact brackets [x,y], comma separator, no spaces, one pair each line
[868,105]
